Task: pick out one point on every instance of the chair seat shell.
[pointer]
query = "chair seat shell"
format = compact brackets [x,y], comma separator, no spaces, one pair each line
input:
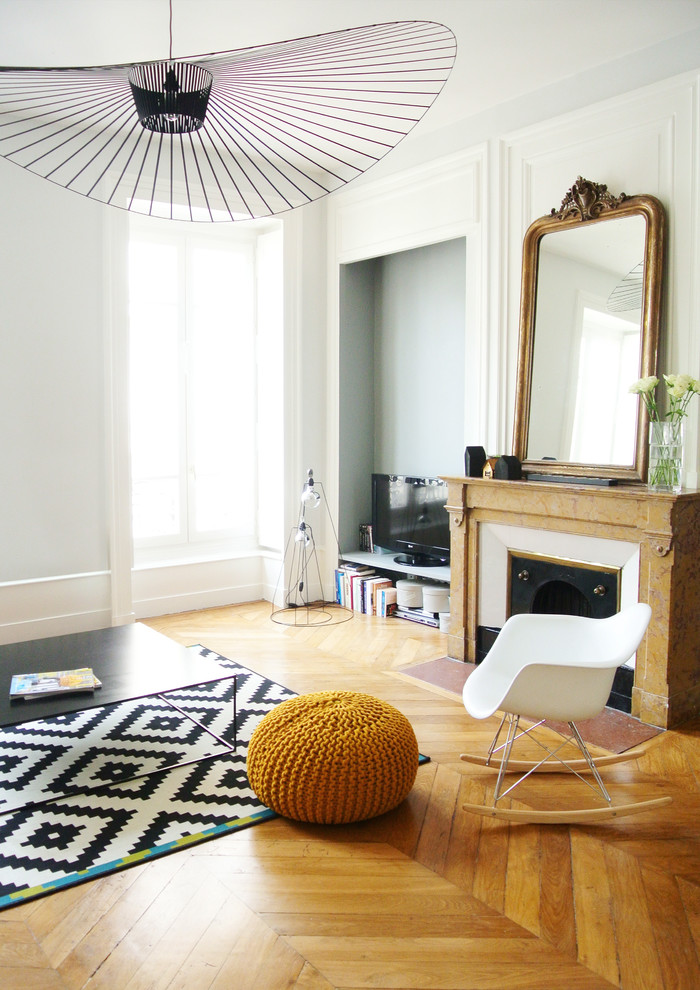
[554,666]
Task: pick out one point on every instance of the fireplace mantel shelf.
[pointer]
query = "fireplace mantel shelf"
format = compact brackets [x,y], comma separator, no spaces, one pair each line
[665,526]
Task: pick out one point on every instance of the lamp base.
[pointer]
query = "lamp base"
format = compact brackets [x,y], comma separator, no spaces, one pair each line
[313,614]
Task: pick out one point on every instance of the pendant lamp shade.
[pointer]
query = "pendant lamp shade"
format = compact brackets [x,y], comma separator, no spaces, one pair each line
[170,97]
[231,135]
[628,293]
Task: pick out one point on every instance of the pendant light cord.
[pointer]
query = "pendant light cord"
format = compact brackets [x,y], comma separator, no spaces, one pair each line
[171,29]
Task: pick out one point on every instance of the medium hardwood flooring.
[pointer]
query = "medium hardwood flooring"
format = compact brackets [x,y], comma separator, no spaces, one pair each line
[426,897]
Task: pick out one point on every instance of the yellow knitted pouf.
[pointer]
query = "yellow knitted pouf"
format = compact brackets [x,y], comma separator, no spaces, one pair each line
[332,757]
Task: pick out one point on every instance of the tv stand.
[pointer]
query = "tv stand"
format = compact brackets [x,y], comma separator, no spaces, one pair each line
[386,562]
[421,560]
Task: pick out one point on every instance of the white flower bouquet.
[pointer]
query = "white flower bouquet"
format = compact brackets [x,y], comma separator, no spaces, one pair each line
[666,431]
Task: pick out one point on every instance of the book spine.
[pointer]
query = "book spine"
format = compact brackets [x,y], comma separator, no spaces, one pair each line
[379,585]
[386,600]
[339,587]
[366,541]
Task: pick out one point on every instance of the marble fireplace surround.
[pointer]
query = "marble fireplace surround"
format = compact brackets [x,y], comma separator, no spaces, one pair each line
[495,541]
[654,538]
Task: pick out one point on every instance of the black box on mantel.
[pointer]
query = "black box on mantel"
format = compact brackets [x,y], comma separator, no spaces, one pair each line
[474,460]
[508,468]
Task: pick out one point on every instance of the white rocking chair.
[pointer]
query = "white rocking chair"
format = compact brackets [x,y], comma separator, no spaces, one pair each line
[558,667]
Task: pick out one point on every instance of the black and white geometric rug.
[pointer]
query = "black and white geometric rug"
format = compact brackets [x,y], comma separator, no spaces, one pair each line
[85,794]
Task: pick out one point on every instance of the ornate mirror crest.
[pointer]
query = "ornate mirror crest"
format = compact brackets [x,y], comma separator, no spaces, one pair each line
[586,201]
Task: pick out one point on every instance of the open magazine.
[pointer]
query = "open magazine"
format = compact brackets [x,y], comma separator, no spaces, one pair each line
[47,683]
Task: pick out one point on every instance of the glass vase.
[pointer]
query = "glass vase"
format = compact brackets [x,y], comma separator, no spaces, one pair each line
[665,456]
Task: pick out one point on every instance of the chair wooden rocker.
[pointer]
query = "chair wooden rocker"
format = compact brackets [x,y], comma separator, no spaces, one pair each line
[561,668]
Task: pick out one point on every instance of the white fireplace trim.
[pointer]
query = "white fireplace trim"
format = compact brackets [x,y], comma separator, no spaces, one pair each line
[496,540]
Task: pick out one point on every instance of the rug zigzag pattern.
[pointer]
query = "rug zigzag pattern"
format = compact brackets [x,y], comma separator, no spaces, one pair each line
[76,837]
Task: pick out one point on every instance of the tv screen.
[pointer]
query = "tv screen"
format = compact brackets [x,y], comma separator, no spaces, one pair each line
[409,516]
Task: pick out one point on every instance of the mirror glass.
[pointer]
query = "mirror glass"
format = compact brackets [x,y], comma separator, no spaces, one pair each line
[590,310]
[587,347]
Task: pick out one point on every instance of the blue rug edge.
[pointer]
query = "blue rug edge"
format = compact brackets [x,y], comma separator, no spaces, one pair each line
[31,893]
[145,855]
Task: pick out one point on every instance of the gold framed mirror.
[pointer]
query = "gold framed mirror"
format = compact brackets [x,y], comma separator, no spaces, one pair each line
[590,309]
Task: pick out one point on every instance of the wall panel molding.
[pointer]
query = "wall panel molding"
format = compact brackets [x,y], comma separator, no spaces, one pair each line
[643,142]
[424,205]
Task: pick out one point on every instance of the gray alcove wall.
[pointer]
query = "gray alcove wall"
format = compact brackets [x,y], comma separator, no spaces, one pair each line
[402,374]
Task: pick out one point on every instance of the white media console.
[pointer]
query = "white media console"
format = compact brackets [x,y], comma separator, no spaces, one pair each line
[384,562]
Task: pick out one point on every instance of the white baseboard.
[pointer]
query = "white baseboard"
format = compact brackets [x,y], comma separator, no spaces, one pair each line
[194,601]
[54,606]
[189,586]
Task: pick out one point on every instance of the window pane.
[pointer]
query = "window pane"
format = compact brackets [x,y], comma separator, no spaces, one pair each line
[155,392]
[155,508]
[222,389]
[152,270]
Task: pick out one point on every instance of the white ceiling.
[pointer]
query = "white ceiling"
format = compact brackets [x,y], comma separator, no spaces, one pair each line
[506,48]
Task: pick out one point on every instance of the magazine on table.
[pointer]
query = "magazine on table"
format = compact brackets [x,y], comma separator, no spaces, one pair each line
[52,682]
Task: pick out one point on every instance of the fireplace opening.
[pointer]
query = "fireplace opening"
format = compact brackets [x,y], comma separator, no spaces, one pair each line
[555,585]
[538,583]
[558,597]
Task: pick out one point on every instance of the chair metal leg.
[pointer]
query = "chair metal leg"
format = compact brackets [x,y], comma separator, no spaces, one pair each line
[513,721]
[494,741]
[589,760]
[494,748]
[525,768]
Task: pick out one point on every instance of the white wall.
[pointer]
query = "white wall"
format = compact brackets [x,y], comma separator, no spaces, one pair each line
[51,383]
[644,141]
[54,504]
[65,546]
[492,177]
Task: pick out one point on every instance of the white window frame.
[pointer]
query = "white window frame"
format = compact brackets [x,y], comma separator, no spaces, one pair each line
[188,545]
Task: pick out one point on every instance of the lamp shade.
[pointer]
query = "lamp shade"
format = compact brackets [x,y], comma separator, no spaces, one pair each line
[170,97]
[232,135]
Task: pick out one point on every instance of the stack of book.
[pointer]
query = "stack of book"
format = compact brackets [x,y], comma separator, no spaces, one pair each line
[358,586]
[51,682]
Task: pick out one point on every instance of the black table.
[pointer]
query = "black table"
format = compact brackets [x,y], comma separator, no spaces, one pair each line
[132,661]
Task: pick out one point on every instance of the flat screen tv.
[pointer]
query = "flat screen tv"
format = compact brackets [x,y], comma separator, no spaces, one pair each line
[409,516]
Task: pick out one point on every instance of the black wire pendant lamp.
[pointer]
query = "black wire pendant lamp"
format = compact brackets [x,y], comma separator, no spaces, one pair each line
[627,294]
[231,135]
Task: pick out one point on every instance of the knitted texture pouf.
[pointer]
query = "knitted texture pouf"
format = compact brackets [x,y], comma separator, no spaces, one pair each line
[332,757]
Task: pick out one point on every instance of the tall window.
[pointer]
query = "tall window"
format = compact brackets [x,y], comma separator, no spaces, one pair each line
[196,423]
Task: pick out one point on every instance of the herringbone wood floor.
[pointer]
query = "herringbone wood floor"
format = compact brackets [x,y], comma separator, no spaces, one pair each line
[427,896]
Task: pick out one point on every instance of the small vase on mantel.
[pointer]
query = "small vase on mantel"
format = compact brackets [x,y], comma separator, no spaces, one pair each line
[665,455]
